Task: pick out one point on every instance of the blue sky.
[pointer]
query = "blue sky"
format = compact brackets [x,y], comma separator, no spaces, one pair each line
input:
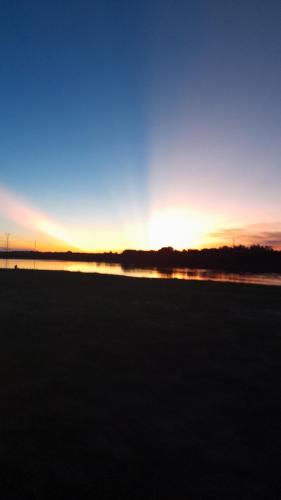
[123,119]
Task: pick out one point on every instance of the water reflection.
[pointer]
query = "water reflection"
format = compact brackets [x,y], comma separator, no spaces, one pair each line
[118,269]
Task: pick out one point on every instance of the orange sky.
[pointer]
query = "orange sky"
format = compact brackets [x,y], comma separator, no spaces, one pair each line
[175,226]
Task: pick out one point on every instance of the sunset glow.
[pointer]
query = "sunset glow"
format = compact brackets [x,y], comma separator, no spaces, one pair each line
[140,128]
[140,249]
[177,228]
[180,228]
[24,216]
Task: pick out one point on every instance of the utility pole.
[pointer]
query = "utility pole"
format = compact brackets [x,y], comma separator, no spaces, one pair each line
[7,241]
[34,259]
[7,247]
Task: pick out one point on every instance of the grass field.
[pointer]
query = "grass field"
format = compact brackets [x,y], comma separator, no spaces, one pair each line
[138,389]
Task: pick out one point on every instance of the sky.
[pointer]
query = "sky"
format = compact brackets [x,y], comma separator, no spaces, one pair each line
[140,124]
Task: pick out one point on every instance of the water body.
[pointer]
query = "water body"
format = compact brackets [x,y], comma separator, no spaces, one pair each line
[153,272]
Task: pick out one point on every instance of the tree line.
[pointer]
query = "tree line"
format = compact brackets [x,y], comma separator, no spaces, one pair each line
[240,258]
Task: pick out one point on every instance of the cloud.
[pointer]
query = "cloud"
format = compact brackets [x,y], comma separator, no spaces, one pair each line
[266,234]
[20,212]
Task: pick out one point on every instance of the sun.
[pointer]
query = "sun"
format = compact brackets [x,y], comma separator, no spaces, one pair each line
[177,228]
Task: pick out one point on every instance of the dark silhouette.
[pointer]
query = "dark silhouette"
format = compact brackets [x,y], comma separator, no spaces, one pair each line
[138,389]
[237,259]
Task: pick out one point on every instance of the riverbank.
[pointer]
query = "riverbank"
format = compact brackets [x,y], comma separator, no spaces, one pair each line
[145,272]
[238,259]
[128,388]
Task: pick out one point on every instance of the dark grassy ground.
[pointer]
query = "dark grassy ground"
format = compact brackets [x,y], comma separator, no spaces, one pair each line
[138,389]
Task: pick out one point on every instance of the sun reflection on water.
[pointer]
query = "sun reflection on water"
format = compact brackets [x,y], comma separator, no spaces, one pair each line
[118,269]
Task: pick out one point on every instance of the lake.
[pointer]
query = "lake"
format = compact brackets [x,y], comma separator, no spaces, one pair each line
[118,269]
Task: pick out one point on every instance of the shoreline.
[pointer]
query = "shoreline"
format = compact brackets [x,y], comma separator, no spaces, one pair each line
[229,259]
[171,274]
[100,275]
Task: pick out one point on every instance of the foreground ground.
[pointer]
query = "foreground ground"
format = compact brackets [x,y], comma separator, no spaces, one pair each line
[138,389]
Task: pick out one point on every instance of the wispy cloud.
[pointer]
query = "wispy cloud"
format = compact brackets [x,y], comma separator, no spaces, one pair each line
[15,209]
[255,234]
